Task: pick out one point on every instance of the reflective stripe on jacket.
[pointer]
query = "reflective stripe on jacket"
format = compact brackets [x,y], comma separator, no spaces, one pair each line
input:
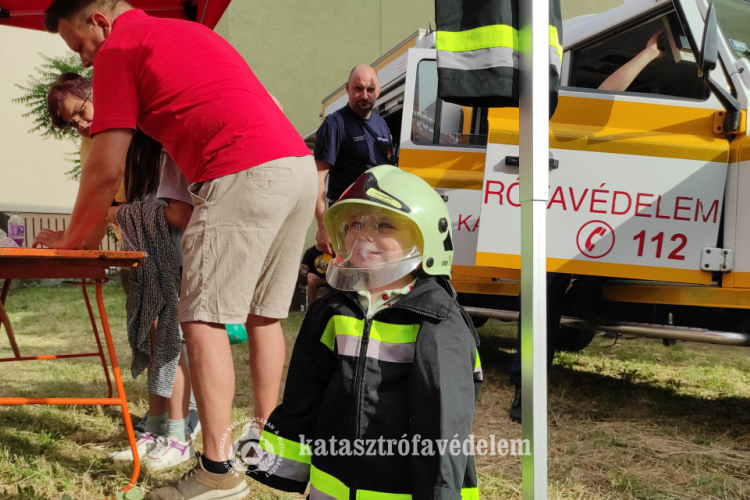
[358,387]
[477,51]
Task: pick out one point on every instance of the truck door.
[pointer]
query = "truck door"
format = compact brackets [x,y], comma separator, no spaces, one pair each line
[637,174]
[445,144]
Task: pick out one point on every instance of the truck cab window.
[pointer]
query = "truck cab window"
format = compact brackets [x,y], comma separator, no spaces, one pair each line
[651,58]
[457,125]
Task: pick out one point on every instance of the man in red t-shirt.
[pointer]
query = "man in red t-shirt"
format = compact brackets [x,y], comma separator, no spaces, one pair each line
[253,186]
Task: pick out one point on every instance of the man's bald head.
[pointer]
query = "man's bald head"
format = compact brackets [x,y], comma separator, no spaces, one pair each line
[363,89]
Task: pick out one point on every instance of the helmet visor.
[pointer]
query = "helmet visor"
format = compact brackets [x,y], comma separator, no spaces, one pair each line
[375,248]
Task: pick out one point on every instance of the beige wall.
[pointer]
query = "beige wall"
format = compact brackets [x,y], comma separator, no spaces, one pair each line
[575,8]
[32,170]
[302,51]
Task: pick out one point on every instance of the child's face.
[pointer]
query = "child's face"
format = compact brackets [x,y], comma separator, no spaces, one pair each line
[375,239]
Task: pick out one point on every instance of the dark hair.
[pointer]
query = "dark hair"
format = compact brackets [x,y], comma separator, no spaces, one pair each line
[67,9]
[69,84]
[142,167]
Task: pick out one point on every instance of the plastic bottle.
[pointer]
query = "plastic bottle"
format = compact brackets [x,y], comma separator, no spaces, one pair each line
[17,229]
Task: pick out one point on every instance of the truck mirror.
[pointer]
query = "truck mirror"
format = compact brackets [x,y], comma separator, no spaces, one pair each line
[709,54]
[707,61]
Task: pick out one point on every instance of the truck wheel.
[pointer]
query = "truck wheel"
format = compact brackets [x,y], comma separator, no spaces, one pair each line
[574,339]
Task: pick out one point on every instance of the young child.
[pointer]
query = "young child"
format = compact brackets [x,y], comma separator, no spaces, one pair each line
[385,372]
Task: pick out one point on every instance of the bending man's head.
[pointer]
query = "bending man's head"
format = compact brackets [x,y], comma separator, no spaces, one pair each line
[84,24]
[363,90]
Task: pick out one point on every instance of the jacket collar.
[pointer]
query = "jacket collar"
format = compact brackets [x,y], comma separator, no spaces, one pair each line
[432,296]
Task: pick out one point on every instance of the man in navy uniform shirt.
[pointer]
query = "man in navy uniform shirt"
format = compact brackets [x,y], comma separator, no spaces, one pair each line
[350,141]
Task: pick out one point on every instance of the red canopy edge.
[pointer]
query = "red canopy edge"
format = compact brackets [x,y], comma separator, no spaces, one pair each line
[30,13]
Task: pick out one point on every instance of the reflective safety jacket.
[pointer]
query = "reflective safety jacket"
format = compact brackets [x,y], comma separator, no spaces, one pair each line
[359,392]
[477,52]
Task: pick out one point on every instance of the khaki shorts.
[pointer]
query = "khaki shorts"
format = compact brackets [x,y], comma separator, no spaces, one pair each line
[243,244]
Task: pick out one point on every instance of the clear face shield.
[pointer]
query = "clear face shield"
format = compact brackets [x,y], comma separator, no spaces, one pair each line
[375,249]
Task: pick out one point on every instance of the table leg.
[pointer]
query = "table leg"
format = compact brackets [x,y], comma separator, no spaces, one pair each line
[120,387]
[5,320]
[4,293]
[98,340]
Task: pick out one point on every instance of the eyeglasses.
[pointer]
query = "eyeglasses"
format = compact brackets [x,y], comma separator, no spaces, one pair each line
[78,113]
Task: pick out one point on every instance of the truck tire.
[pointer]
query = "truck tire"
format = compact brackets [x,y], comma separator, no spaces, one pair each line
[574,339]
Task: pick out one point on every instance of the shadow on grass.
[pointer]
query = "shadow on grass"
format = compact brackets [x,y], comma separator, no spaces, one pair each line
[625,396]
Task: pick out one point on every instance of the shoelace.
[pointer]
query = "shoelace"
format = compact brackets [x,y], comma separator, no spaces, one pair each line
[162,443]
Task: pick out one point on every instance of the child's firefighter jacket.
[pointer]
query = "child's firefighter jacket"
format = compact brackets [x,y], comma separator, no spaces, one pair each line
[358,389]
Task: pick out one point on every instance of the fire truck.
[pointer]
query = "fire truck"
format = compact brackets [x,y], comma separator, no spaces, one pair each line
[649,186]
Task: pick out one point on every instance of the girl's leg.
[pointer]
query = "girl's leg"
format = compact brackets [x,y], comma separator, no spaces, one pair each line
[179,402]
[158,406]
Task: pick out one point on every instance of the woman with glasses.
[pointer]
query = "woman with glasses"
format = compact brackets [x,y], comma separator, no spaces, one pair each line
[150,175]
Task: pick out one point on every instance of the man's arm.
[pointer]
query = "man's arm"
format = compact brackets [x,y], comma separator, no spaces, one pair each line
[322,239]
[621,79]
[95,237]
[100,179]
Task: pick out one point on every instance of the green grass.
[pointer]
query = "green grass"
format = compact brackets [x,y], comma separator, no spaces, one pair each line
[627,420]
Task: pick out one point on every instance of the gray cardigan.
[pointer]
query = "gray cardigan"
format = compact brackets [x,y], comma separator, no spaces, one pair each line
[154,288]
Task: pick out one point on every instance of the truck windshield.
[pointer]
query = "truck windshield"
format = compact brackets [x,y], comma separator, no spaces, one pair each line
[734,19]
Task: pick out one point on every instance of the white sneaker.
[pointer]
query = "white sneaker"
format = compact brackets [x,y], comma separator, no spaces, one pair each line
[169,452]
[144,444]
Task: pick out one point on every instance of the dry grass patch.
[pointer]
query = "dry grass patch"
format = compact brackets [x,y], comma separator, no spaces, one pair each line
[627,420]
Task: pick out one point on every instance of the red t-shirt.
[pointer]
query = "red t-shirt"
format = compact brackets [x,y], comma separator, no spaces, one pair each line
[186,87]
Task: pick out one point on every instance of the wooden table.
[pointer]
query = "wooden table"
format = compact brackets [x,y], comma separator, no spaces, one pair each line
[84,268]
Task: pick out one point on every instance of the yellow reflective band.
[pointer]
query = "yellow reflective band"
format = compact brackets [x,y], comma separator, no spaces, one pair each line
[285,448]
[554,41]
[328,484]
[484,37]
[395,334]
[477,364]
[376,495]
[470,494]
[341,325]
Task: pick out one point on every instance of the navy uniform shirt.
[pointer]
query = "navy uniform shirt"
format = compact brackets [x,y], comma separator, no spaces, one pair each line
[351,145]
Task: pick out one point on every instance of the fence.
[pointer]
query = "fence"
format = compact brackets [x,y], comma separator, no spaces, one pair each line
[35,222]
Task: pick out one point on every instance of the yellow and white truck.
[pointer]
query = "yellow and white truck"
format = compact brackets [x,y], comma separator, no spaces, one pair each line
[649,186]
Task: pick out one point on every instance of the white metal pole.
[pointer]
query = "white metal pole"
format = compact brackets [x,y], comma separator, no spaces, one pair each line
[534,193]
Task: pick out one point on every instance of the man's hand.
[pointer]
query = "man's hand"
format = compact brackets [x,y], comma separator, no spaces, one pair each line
[653,45]
[323,242]
[51,239]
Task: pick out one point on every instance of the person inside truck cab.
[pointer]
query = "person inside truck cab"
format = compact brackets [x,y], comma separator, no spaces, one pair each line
[621,79]
[350,141]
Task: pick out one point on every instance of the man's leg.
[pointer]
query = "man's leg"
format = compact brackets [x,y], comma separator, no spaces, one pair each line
[267,353]
[212,377]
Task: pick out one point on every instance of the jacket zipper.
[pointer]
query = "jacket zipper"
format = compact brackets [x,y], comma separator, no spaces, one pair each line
[359,377]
